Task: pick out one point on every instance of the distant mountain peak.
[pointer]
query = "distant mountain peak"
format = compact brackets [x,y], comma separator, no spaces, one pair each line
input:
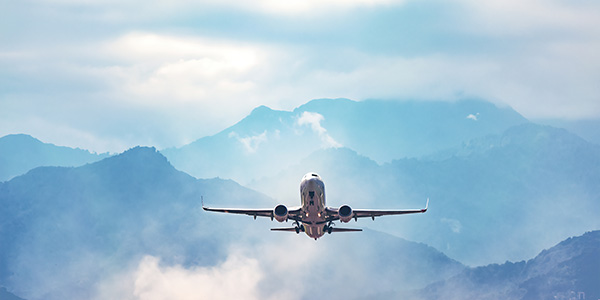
[20,153]
[261,110]
[144,159]
[141,150]
[19,137]
[142,154]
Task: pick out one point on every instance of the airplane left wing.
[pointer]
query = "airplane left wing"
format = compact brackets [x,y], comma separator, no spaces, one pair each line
[372,213]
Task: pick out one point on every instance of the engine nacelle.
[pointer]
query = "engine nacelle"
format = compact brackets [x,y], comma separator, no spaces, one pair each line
[280,213]
[345,213]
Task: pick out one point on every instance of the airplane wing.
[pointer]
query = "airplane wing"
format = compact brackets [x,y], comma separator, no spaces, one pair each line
[372,213]
[293,214]
[266,212]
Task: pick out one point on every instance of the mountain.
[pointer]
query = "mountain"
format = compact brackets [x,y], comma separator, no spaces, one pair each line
[569,270]
[388,130]
[261,143]
[95,219]
[20,153]
[496,198]
[103,230]
[527,188]
[586,128]
[267,141]
[131,225]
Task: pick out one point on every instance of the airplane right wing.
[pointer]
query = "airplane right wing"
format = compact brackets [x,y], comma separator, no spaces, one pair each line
[292,214]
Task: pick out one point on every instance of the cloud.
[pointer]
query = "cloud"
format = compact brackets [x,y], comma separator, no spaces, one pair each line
[170,85]
[236,278]
[514,17]
[304,7]
[156,85]
[290,8]
[250,143]
[313,120]
[164,68]
[473,116]
[261,272]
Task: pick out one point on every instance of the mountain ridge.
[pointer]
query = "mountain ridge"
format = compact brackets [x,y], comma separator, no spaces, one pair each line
[98,218]
[267,140]
[20,153]
[560,272]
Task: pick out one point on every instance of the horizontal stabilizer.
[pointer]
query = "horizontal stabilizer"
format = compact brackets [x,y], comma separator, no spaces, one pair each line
[284,229]
[332,229]
[344,229]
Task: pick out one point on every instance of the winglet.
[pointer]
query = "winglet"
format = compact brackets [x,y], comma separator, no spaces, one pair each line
[426,206]
[202,201]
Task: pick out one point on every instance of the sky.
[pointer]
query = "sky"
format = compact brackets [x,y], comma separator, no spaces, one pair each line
[107,75]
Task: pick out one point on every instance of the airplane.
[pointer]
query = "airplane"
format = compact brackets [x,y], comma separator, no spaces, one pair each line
[313,217]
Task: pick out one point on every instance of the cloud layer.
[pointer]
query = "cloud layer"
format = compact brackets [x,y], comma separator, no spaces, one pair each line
[236,278]
[172,73]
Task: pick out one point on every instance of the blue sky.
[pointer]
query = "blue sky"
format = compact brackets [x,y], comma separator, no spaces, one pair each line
[109,75]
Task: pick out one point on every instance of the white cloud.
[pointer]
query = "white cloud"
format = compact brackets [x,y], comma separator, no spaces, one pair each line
[166,68]
[313,120]
[473,116]
[514,17]
[148,46]
[236,278]
[305,7]
[250,143]
[168,86]
[260,272]
[134,11]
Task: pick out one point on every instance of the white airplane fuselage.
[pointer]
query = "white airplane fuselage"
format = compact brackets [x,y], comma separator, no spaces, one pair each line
[312,194]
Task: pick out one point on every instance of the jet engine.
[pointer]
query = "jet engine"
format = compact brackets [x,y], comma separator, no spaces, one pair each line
[280,213]
[345,213]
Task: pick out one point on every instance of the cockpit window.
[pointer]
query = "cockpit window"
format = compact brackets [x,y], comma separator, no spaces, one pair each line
[315,175]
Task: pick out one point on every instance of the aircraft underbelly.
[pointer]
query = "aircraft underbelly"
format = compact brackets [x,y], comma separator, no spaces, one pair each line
[314,231]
